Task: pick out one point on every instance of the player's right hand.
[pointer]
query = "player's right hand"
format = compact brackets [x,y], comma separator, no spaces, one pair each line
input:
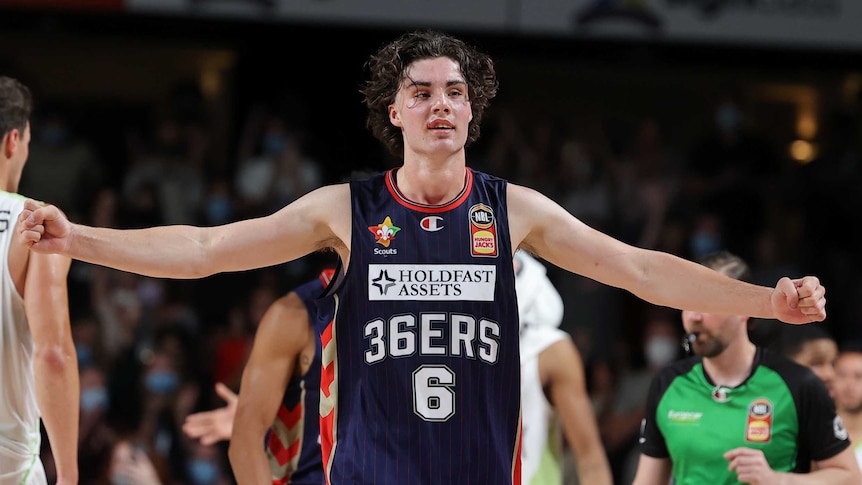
[45,228]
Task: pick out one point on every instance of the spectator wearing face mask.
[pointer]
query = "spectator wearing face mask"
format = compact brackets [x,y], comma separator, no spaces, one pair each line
[167,399]
[730,171]
[205,466]
[620,426]
[64,165]
[96,436]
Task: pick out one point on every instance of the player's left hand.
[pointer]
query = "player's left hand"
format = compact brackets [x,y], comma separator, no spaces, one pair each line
[802,300]
[751,466]
[213,426]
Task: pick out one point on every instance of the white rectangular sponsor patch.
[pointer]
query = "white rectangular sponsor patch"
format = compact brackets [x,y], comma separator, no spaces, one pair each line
[432,282]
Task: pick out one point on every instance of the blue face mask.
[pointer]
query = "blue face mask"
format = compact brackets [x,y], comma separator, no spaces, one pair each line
[93,398]
[728,117]
[203,472]
[219,210]
[54,135]
[85,355]
[275,144]
[703,243]
[162,382]
[121,480]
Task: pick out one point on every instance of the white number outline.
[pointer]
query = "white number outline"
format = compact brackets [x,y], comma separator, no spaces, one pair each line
[427,387]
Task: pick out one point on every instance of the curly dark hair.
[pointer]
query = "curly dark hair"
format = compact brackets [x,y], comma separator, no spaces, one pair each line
[387,68]
[16,103]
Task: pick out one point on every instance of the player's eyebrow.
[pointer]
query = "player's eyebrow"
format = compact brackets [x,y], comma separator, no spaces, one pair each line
[426,84]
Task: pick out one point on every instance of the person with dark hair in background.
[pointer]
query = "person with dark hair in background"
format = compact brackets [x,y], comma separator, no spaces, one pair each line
[421,367]
[759,417]
[814,347]
[848,393]
[38,363]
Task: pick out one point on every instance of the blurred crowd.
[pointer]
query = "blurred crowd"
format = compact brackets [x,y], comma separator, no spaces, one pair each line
[150,350]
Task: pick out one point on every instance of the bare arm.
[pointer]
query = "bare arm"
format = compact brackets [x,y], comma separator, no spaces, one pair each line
[283,332]
[751,467]
[841,469]
[542,226]
[652,471]
[562,371]
[55,365]
[318,220]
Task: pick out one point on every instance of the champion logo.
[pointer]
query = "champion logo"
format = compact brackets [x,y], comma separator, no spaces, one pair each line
[431,223]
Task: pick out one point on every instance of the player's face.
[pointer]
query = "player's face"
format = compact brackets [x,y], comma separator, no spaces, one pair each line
[432,107]
[714,332]
[819,356]
[848,382]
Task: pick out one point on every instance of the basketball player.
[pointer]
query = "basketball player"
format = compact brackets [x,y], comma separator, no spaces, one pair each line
[38,365]
[548,361]
[421,367]
[553,387]
[279,395]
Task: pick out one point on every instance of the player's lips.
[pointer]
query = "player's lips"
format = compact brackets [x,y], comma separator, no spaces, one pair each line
[440,125]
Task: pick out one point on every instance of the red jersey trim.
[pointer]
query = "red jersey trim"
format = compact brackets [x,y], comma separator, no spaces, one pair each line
[427,208]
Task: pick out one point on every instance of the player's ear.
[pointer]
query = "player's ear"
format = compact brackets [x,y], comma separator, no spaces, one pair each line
[10,142]
[394,116]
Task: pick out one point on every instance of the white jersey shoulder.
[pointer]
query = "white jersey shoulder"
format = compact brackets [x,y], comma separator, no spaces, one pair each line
[19,411]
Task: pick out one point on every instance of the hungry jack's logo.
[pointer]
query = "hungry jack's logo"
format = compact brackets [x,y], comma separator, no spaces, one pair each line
[759,426]
[384,232]
[483,231]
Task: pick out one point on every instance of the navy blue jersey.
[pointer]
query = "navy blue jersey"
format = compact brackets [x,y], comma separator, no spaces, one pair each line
[293,442]
[421,380]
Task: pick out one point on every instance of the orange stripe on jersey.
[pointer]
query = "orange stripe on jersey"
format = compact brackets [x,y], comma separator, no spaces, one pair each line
[326,336]
[326,441]
[327,376]
[516,466]
[328,394]
[282,454]
[290,417]
[326,276]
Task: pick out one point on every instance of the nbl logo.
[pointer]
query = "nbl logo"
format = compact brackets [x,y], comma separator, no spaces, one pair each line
[483,231]
[481,216]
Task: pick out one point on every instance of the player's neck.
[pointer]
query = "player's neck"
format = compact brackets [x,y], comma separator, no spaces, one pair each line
[7,184]
[733,366]
[426,182]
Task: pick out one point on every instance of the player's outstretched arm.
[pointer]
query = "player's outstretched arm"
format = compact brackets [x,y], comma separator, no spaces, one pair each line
[563,374]
[543,227]
[318,220]
[280,338]
[210,427]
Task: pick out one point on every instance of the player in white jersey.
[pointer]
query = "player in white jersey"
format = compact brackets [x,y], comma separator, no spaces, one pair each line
[553,389]
[38,366]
